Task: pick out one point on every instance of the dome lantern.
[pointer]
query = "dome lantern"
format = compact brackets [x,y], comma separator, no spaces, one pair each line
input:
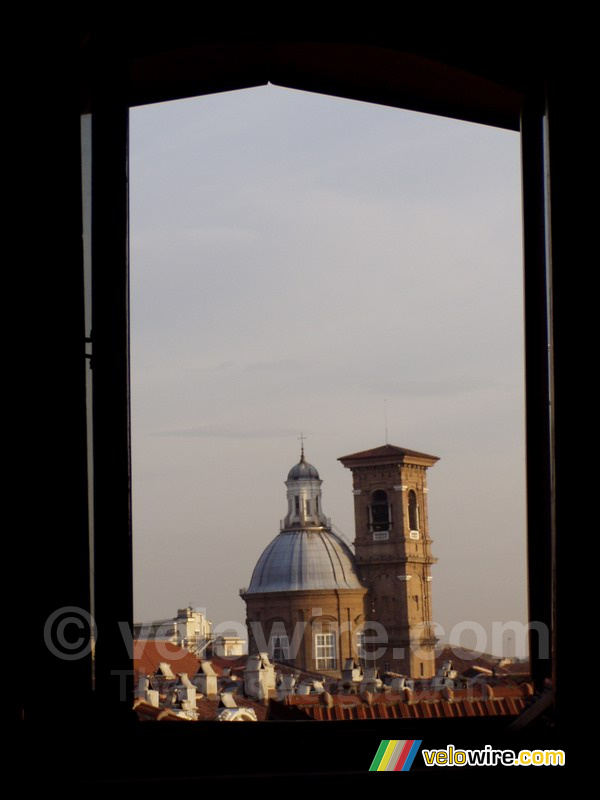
[304,497]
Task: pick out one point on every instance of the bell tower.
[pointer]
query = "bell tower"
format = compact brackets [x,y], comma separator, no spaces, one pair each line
[393,554]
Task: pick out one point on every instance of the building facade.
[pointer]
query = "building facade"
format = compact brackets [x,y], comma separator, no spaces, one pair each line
[305,602]
[314,603]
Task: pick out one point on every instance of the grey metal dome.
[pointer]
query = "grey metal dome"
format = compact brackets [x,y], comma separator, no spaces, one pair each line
[303,560]
[303,470]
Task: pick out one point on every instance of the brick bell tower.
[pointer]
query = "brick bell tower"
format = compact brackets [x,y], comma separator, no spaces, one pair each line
[393,554]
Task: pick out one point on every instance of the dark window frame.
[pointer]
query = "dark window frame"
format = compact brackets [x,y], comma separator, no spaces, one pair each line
[106,75]
[112,91]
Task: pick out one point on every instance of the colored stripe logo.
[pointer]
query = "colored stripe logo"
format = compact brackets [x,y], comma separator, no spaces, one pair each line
[395,755]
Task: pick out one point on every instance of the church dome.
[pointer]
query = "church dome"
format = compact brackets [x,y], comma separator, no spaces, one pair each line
[304,560]
[303,470]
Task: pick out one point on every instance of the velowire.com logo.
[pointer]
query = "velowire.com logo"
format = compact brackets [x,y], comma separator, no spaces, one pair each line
[395,755]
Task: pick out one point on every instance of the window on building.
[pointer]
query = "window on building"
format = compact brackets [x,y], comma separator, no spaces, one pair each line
[325,651]
[280,648]
[361,650]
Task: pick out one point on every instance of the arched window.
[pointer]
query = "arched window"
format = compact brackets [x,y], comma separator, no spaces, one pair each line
[380,511]
[413,511]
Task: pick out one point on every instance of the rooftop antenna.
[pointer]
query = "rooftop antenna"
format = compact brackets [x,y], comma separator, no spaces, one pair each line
[301,439]
[385,416]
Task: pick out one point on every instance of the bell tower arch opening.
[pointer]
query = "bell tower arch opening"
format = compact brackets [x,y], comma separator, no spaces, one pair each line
[413,512]
[379,512]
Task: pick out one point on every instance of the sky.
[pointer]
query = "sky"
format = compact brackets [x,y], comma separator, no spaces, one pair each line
[309,264]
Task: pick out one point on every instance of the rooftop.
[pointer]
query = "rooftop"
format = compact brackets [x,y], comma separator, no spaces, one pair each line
[148,654]
[389,453]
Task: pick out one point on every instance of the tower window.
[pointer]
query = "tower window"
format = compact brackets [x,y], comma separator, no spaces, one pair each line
[413,511]
[380,511]
[297,505]
[325,656]
[307,507]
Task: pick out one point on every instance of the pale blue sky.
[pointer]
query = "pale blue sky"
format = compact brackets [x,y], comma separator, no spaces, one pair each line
[297,260]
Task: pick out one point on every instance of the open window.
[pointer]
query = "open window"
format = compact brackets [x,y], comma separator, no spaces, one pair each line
[379,510]
[456,85]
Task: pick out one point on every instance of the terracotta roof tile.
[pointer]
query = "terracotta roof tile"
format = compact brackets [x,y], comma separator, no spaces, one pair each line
[207,709]
[507,701]
[149,653]
[464,660]
[237,664]
[147,712]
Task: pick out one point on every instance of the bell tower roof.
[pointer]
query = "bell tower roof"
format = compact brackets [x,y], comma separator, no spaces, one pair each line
[388,454]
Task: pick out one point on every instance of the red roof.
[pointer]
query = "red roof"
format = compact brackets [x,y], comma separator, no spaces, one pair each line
[463,660]
[236,664]
[149,713]
[207,708]
[149,653]
[387,451]
[483,702]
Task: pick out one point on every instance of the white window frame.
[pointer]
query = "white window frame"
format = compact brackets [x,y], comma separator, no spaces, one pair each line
[325,654]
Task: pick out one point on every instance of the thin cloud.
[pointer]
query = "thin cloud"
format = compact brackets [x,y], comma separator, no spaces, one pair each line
[225,432]
[277,364]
